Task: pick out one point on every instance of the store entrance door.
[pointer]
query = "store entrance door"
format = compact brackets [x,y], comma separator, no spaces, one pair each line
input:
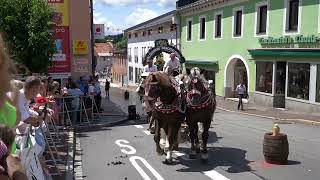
[279,96]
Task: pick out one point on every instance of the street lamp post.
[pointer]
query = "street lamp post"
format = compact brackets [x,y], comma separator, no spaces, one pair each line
[92,38]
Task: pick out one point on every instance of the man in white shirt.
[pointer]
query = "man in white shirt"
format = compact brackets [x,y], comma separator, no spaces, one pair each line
[150,67]
[172,67]
[241,91]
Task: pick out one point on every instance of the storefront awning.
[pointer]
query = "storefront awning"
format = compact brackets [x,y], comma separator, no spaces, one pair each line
[211,65]
[283,52]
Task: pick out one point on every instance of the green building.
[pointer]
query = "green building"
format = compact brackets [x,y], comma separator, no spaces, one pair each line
[272,46]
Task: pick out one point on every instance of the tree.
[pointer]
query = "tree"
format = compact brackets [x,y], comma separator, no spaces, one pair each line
[25,26]
[122,44]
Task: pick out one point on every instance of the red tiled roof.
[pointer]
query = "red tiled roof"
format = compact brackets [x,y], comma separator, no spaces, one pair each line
[101,48]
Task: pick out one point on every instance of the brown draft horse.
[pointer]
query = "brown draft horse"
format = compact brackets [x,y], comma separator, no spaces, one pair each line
[166,114]
[200,109]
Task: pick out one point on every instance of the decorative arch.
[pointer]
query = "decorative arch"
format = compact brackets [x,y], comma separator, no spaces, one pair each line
[162,45]
[229,72]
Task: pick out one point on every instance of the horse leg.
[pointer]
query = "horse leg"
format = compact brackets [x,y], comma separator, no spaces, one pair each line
[192,135]
[196,138]
[172,133]
[156,138]
[151,122]
[205,136]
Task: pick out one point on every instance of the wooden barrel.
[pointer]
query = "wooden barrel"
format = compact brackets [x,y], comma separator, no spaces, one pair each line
[276,148]
[132,114]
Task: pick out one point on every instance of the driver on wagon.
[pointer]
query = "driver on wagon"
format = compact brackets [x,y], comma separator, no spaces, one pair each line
[172,67]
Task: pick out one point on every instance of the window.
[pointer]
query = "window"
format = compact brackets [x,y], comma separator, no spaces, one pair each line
[150,32]
[136,54]
[143,33]
[173,27]
[292,15]
[202,28]
[129,36]
[237,22]
[130,73]
[298,80]
[160,30]
[135,34]
[318,84]
[189,30]
[129,55]
[218,26]
[264,73]
[262,17]
[136,75]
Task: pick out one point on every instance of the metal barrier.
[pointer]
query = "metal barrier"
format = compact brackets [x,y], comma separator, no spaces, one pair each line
[85,109]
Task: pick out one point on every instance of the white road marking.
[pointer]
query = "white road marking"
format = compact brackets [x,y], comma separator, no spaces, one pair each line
[133,160]
[147,133]
[138,126]
[215,175]
[132,150]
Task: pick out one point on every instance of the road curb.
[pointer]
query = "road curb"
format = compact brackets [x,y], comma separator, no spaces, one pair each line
[301,121]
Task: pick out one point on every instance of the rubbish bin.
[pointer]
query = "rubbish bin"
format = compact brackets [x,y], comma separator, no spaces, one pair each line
[132,114]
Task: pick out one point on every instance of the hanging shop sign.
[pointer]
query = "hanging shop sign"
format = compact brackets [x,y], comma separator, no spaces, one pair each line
[162,45]
[80,47]
[290,40]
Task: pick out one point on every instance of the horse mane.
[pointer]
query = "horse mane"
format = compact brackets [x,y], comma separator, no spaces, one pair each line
[160,77]
[168,93]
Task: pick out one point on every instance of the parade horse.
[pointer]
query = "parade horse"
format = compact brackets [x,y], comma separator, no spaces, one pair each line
[167,111]
[201,105]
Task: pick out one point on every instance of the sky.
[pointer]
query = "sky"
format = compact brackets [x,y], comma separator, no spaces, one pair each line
[118,15]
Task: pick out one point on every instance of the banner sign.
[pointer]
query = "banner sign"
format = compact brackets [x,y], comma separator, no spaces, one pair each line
[80,47]
[61,60]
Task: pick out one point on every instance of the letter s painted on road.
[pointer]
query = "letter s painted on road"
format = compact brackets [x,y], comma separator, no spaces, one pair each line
[123,144]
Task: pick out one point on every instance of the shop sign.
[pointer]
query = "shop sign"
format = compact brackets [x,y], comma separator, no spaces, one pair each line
[81,68]
[289,40]
[80,47]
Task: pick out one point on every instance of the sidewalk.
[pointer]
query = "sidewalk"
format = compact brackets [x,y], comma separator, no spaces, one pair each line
[269,112]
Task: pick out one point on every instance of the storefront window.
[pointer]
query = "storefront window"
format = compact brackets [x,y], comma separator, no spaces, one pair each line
[318,84]
[299,80]
[264,77]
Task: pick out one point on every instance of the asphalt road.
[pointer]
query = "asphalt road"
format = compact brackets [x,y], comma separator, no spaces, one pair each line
[235,153]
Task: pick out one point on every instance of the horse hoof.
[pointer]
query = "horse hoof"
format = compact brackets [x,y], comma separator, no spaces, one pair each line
[204,158]
[167,161]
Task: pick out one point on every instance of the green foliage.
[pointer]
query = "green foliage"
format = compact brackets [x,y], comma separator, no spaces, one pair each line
[25,26]
[122,44]
[159,62]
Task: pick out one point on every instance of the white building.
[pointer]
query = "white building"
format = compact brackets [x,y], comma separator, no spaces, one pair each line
[141,38]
